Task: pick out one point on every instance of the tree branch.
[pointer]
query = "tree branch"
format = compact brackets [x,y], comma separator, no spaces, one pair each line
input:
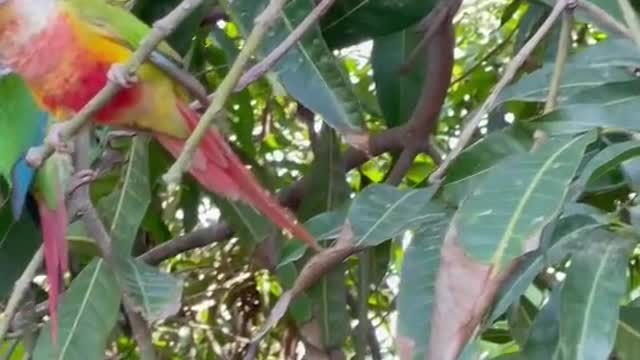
[436,85]
[263,23]
[510,72]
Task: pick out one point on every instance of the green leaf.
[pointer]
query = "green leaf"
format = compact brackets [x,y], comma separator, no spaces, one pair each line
[398,92]
[125,208]
[18,113]
[417,284]
[608,159]
[566,236]
[329,299]
[309,71]
[627,345]
[19,240]
[502,218]
[381,212]
[595,284]
[352,21]
[475,161]
[328,191]
[612,106]
[157,294]
[603,63]
[88,312]
[542,342]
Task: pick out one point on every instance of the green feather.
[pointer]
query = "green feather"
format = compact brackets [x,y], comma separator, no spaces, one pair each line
[116,23]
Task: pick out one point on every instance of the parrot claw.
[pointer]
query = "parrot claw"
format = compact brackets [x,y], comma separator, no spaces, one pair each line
[54,139]
[35,157]
[121,76]
[81,178]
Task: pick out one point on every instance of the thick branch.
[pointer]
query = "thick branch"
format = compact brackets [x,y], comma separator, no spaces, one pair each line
[436,85]
[510,72]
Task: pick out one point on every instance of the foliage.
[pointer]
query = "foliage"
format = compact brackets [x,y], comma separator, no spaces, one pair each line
[527,249]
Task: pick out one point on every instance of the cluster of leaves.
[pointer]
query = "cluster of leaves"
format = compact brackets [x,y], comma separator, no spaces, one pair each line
[526,250]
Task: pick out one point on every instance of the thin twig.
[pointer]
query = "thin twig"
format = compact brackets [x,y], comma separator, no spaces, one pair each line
[263,23]
[631,18]
[604,19]
[510,72]
[564,45]
[161,29]
[278,53]
[19,291]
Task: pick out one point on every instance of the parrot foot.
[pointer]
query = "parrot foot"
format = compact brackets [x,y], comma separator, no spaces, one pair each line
[35,156]
[119,74]
[54,139]
[81,178]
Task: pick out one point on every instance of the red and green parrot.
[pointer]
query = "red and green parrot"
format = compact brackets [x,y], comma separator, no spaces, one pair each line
[25,127]
[66,51]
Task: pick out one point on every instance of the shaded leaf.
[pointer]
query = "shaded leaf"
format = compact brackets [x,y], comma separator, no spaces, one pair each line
[88,312]
[627,345]
[381,212]
[125,208]
[309,71]
[505,214]
[397,91]
[595,285]
[417,287]
[157,294]
[19,240]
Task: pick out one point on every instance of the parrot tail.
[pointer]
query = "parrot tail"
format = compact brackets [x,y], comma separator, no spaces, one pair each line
[218,169]
[53,223]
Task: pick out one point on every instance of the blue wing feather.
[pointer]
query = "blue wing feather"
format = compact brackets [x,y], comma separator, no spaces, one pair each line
[22,174]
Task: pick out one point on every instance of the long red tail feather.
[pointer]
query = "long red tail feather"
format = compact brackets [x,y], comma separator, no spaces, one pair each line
[219,170]
[53,224]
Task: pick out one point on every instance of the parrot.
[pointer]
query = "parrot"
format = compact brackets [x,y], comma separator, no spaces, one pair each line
[67,50]
[42,187]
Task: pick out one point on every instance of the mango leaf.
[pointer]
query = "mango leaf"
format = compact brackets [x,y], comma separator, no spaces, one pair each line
[612,106]
[329,191]
[595,284]
[608,159]
[309,71]
[475,161]
[381,212]
[502,218]
[603,63]
[157,294]
[542,342]
[125,207]
[397,92]
[19,240]
[352,21]
[566,236]
[628,335]
[88,312]
[417,285]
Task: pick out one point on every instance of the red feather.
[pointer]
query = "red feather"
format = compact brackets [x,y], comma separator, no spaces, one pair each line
[219,170]
[53,224]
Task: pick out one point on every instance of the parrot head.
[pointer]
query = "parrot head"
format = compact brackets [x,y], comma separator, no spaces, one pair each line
[20,21]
